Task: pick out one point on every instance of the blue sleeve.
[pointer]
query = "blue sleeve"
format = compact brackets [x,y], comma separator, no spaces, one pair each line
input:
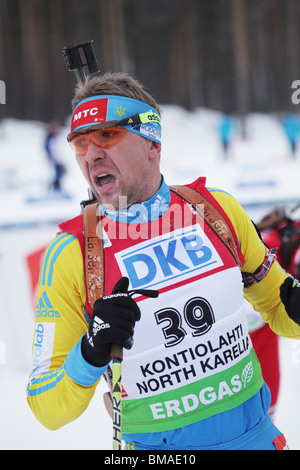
[79,370]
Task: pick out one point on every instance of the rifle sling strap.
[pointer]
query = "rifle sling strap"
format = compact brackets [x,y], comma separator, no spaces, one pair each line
[94,257]
[211,216]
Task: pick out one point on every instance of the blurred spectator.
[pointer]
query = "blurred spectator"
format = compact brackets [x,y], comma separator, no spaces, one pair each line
[53,152]
[291,126]
[279,231]
[226,130]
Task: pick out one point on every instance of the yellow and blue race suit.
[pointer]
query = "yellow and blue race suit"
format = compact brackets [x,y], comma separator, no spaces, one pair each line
[62,383]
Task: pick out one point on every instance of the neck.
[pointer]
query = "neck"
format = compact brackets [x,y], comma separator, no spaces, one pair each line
[143,212]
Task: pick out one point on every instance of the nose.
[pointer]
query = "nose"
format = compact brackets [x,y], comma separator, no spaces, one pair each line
[94,153]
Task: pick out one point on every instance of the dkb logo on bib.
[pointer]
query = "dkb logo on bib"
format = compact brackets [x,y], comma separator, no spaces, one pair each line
[169,258]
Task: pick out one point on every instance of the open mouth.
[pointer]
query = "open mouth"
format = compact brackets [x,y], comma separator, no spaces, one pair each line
[104,180]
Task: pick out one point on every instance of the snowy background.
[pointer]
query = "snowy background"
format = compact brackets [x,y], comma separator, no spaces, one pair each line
[259,171]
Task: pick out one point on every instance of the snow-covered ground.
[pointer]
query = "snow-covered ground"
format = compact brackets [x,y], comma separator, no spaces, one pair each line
[259,172]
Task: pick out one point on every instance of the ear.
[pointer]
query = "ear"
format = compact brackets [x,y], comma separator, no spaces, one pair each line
[154,150]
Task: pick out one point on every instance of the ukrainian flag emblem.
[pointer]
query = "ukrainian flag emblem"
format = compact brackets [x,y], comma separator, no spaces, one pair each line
[120,111]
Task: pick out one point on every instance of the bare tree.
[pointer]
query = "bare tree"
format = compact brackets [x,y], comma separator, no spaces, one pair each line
[242,54]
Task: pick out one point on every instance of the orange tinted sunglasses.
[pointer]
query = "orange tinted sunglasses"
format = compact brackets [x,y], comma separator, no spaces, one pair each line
[104,138]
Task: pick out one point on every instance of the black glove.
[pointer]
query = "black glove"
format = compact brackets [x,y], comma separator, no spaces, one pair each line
[112,321]
[290,297]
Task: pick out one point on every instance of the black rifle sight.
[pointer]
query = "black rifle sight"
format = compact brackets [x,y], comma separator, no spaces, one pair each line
[78,56]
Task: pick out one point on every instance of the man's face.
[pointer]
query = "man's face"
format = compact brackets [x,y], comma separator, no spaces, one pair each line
[130,169]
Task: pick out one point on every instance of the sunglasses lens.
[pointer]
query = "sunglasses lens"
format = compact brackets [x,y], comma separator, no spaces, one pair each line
[79,144]
[104,138]
[108,137]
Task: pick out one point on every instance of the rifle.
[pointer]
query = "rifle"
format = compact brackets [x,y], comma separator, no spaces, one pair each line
[78,56]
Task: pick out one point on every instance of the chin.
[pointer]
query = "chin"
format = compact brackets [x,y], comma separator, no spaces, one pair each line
[113,203]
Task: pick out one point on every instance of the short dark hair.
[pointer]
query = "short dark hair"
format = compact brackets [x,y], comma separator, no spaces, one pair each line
[113,83]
